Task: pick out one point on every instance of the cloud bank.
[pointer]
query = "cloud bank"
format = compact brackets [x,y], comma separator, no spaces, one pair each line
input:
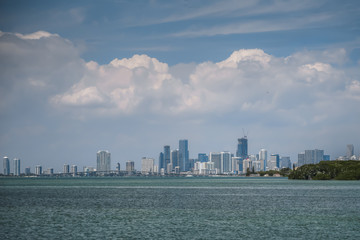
[44,77]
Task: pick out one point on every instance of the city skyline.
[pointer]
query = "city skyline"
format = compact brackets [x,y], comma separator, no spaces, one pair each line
[77,77]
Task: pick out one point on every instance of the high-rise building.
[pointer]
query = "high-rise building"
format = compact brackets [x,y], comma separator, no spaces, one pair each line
[130,166]
[16,167]
[175,159]
[226,165]
[263,159]
[349,151]
[6,166]
[183,154]
[161,161]
[285,162]
[103,161]
[326,158]
[274,162]
[118,168]
[237,164]
[313,156]
[216,159]
[66,168]
[27,171]
[242,148]
[147,165]
[202,157]
[301,159]
[38,170]
[73,170]
[166,157]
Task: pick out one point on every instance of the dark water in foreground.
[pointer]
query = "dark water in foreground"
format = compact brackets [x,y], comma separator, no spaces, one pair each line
[178,208]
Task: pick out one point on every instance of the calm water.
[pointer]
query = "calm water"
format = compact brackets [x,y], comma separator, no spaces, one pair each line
[178,208]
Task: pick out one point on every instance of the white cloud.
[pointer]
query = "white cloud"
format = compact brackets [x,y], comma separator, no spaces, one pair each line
[36,35]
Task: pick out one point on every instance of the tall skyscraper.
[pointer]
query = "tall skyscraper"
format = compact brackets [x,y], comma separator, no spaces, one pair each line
[216,159]
[103,161]
[147,165]
[301,159]
[118,168]
[226,165]
[16,167]
[166,156]
[6,166]
[313,156]
[130,166]
[242,148]
[74,170]
[161,162]
[285,162]
[27,171]
[38,170]
[349,151]
[183,154]
[274,162]
[175,159]
[263,159]
[66,168]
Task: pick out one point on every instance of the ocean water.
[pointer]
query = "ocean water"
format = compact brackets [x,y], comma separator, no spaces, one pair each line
[178,208]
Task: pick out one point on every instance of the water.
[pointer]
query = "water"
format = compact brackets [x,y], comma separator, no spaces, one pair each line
[178,208]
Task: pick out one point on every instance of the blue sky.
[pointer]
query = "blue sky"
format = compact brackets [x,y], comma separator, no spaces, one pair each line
[132,76]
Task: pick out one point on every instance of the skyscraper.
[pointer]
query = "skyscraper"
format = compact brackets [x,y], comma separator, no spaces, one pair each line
[202,157]
[216,159]
[147,165]
[349,151]
[274,162]
[6,165]
[66,168]
[175,158]
[103,161]
[161,161]
[183,154]
[313,156]
[166,156]
[242,148]
[226,165]
[16,167]
[38,170]
[301,159]
[130,166]
[74,170]
[263,159]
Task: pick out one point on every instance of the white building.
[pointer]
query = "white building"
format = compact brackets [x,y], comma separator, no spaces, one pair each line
[204,168]
[147,165]
[16,167]
[103,161]
[226,164]
[263,159]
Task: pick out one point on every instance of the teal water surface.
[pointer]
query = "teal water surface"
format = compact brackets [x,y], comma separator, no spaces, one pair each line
[178,208]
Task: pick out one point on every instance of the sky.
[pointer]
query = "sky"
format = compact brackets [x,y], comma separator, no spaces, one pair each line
[77,77]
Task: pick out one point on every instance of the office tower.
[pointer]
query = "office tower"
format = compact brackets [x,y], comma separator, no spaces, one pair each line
[202,157]
[175,159]
[349,151]
[274,162]
[147,165]
[236,164]
[103,161]
[216,159]
[226,165]
[326,157]
[38,170]
[247,165]
[6,165]
[313,156]
[66,168]
[118,168]
[256,165]
[191,164]
[27,171]
[183,155]
[166,157]
[74,170]
[263,159]
[242,148]
[301,159]
[130,166]
[16,167]
[161,161]
[285,162]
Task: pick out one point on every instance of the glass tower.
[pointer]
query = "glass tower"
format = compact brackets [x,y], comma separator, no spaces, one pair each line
[183,154]
[242,148]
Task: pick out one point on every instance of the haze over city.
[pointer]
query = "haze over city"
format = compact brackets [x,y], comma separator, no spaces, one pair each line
[133,76]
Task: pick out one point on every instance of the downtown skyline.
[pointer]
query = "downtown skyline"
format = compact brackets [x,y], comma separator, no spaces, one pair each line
[133,76]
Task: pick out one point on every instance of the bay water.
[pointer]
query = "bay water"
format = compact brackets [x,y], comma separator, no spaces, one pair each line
[178,208]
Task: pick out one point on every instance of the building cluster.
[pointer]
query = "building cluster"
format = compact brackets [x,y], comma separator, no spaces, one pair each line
[177,161]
